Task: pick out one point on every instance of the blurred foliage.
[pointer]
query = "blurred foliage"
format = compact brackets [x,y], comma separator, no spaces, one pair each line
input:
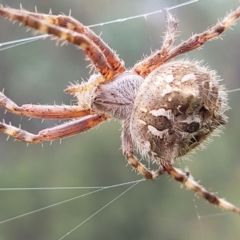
[38,72]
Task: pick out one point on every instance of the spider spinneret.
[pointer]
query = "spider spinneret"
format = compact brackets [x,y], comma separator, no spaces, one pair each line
[167,108]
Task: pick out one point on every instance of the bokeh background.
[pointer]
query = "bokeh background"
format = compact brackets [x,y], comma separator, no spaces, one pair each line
[38,72]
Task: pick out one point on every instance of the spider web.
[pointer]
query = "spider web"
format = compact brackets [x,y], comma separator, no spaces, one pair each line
[162,205]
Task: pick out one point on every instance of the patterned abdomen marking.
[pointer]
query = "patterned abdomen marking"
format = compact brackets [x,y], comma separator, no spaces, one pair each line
[176,108]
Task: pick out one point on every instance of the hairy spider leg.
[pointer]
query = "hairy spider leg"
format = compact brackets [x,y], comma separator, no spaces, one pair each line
[90,49]
[50,134]
[72,24]
[190,183]
[168,39]
[43,111]
[128,149]
[146,66]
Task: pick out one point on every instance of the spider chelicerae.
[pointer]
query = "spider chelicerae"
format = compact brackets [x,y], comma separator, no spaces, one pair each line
[167,108]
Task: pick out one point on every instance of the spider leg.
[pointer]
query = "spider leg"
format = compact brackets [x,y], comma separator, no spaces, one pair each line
[127,148]
[190,183]
[61,131]
[43,111]
[198,40]
[72,24]
[169,37]
[90,49]
[146,66]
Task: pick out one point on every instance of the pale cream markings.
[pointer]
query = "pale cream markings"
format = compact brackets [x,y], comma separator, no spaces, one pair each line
[164,77]
[188,77]
[159,80]
[162,112]
[168,89]
[156,132]
[169,78]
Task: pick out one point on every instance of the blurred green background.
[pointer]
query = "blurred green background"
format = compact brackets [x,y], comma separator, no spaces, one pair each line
[38,72]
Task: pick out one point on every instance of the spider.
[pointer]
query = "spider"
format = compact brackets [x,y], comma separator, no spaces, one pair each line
[167,108]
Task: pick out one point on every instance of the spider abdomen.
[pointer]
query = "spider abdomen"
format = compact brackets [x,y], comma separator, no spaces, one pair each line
[177,107]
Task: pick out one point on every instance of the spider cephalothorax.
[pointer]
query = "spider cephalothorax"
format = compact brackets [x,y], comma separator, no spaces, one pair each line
[116,98]
[167,108]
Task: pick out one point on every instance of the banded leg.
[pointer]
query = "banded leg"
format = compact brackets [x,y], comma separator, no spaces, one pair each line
[198,40]
[72,24]
[146,66]
[90,49]
[43,111]
[50,134]
[190,183]
[127,148]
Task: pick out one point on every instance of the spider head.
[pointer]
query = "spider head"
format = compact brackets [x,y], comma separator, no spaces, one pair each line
[116,97]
